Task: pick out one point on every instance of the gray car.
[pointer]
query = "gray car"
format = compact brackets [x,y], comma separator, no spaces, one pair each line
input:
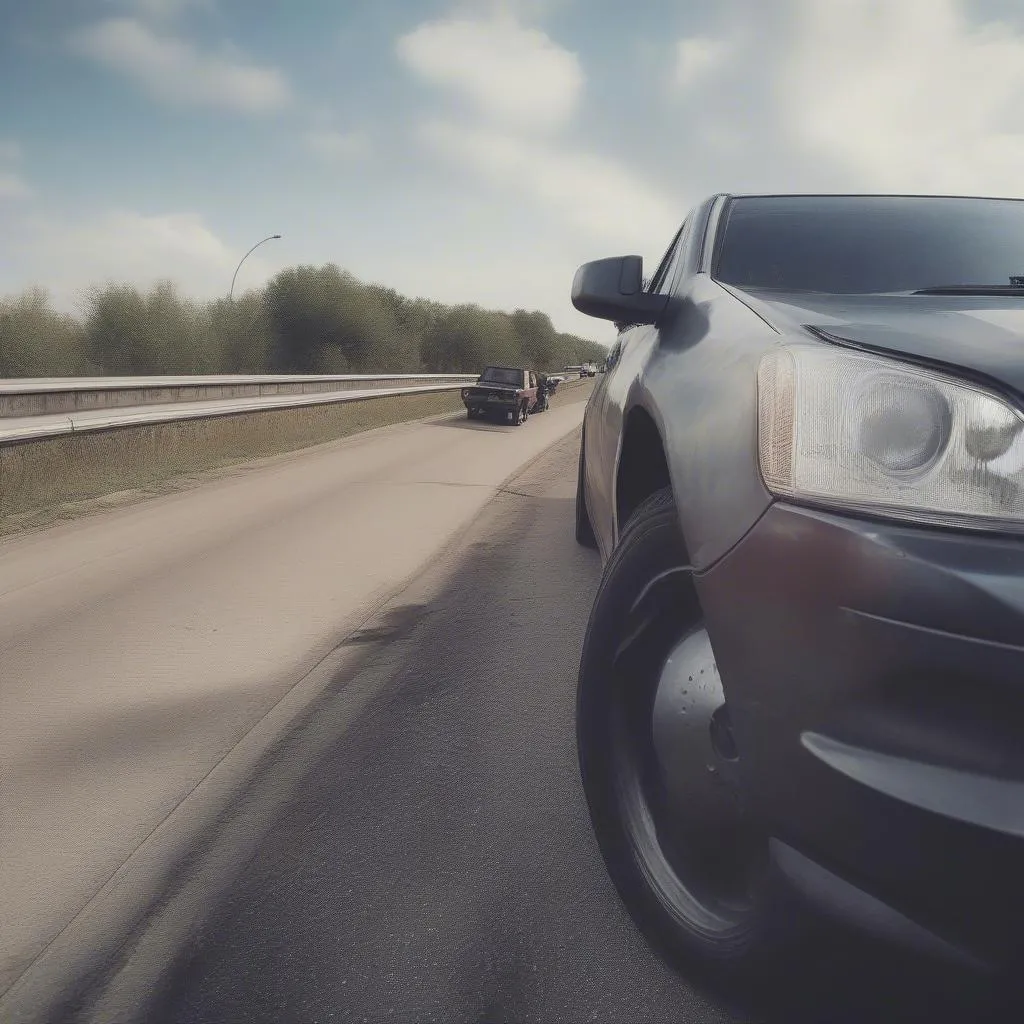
[804,669]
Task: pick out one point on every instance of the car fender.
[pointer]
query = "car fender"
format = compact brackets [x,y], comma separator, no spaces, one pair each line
[699,384]
[638,397]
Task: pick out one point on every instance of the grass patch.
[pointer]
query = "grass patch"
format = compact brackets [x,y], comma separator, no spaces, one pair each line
[39,479]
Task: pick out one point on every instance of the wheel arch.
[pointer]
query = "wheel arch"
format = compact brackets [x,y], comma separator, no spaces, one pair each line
[642,466]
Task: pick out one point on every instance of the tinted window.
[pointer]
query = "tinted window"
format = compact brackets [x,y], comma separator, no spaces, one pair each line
[501,375]
[848,244]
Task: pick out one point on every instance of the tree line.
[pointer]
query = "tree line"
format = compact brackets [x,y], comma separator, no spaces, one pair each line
[306,319]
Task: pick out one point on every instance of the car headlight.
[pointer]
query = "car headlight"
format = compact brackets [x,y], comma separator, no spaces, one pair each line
[836,427]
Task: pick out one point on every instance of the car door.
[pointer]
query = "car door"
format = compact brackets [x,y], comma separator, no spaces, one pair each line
[604,419]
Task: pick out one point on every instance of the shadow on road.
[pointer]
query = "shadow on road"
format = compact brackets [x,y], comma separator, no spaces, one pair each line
[462,423]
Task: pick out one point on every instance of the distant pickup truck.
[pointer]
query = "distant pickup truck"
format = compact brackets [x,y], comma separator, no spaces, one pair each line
[510,393]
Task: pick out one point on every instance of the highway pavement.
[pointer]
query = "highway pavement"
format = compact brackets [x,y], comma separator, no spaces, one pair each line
[424,851]
[150,653]
[261,769]
[436,861]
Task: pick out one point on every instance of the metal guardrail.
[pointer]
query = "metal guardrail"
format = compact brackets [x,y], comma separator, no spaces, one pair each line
[75,405]
[41,396]
[38,408]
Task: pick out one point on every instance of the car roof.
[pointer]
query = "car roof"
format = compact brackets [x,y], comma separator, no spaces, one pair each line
[858,195]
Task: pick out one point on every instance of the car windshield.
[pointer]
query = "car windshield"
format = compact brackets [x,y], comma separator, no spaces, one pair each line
[870,244]
[501,375]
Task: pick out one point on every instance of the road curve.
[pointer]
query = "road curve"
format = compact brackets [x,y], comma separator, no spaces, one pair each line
[139,646]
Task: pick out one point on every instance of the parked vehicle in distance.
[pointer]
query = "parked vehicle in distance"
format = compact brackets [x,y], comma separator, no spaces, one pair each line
[804,473]
[505,392]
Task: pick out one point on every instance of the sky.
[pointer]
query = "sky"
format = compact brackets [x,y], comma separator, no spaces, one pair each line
[469,150]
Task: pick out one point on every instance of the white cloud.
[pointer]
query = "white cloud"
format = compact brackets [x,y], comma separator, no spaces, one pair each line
[337,147]
[696,56]
[127,246]
[906,96]
[172,70]
[590,193]
[12,186]
[511,74]
[519,81]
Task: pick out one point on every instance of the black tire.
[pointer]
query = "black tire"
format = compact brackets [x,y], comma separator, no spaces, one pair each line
[625,789]
[584,530]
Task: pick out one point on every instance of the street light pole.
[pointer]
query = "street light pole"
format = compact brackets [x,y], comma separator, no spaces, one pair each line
[243,259]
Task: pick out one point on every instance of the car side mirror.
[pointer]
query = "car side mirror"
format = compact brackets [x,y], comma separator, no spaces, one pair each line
[613,289]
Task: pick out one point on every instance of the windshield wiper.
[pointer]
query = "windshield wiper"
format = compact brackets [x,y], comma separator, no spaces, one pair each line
[1015,287]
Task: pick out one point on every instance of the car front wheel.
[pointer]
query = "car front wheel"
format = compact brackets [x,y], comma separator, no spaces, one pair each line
[659,763]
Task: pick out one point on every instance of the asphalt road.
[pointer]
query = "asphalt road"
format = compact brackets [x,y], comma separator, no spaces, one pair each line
[408,840]
[435,863]
[146,654]
[419,850]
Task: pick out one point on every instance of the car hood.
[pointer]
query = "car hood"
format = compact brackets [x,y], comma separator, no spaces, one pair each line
[981,334]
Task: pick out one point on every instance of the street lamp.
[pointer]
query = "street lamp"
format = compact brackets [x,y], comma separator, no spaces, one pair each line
[243,259]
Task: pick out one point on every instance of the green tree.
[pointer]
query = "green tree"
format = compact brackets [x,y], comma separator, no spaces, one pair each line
[242,329]
[572,350]
[36,341]
[127,332]
[468,338]
[536,336]
[323,320]
[307,319]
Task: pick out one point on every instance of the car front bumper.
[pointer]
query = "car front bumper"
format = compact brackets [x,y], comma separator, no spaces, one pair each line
[875,679]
